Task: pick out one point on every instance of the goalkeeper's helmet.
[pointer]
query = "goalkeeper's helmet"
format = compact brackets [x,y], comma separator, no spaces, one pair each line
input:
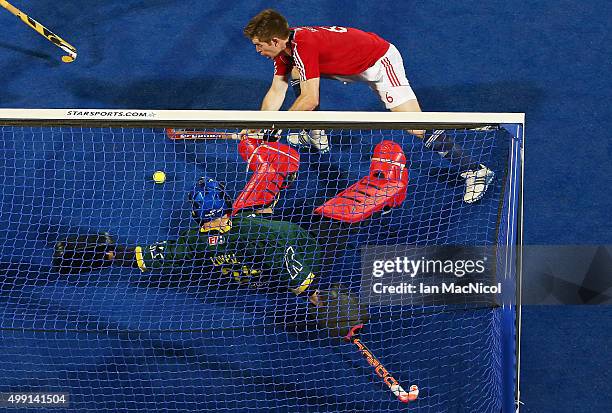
[208,200]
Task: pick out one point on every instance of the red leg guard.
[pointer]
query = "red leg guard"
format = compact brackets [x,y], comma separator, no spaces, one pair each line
[281,157]
[389,161]
[274,165]
[385,187]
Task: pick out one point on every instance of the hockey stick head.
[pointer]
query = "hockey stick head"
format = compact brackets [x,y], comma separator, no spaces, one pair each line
[353,333]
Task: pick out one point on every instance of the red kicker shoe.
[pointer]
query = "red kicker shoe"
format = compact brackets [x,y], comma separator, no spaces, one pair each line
[384,188]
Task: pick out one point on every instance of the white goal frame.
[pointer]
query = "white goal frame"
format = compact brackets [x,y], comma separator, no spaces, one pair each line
[513,122]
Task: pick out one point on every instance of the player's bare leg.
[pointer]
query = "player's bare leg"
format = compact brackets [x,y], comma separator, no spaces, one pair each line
[411,106]
[477,176]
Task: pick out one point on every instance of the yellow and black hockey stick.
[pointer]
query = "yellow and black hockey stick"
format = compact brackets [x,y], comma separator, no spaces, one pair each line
[43,31]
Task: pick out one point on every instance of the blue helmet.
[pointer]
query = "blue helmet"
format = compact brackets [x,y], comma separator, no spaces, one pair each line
[208,200]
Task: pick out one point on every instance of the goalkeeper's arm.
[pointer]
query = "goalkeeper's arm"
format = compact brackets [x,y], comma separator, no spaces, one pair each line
[82,253]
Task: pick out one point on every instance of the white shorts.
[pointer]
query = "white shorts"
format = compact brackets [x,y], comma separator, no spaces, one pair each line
[386,77]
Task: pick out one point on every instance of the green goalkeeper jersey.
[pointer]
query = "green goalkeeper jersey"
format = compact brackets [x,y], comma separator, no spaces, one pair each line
[250,248]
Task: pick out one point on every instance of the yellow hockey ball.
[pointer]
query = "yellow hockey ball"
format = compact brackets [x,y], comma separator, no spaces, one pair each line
[67,59]
[159,177]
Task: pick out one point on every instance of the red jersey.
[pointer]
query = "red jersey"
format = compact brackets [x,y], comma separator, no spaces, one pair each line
[330,51]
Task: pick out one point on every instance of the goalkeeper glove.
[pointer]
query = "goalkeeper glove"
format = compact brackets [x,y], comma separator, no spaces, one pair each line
[83,253]
[338,311]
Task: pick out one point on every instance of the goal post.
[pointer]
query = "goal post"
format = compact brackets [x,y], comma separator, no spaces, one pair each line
[114,295]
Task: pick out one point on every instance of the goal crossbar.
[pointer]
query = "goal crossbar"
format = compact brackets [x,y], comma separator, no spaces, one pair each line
[272,119]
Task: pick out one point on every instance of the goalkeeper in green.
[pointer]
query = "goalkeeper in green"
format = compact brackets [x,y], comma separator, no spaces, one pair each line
[245,248]
[239,241]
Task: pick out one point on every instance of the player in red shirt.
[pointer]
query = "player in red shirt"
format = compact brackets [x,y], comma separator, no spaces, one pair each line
[349,55]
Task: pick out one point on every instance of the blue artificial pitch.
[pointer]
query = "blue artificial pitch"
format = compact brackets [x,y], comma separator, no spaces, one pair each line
[118,339]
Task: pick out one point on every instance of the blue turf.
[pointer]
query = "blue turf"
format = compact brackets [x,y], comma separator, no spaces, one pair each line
[134,349]
[548,59]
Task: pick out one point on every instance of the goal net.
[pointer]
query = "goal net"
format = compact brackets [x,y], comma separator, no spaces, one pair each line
[237,279]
